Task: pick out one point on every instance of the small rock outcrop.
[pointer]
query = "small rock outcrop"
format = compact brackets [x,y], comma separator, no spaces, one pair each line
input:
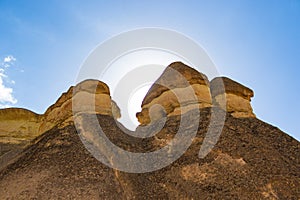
[232,97]
[18,125]
[89,96]
[179,89]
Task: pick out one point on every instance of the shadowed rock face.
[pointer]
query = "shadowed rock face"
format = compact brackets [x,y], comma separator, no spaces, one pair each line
[18,127]
[251,160]
[179,89]
[232,96]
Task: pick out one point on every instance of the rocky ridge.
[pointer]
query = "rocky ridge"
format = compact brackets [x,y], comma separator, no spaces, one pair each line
[19,127]
[251,159]
[179,89]
[17,124]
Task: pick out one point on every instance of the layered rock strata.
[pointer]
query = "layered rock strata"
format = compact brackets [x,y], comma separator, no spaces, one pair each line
[179,89]
[90,96]
[18,125]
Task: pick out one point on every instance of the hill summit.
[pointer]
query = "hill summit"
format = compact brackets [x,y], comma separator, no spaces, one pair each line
[45,156]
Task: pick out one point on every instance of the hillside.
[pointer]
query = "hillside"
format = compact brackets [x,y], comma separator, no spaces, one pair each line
[248,159]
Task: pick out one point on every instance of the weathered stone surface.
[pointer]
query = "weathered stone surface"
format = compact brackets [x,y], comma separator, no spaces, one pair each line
[231,87]
[18,125]
[179,89]
[58,113]
[232,97]
[92,86]
[89,96]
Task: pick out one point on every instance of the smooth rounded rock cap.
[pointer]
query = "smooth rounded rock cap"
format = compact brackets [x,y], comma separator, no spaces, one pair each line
[179,89]
[176,75]
[232,97]
[92,86]
[17,113]
[217,86]
[90,96]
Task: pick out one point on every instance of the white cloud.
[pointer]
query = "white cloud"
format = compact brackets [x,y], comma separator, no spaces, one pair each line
[9,59]
[6,93]
[6,96]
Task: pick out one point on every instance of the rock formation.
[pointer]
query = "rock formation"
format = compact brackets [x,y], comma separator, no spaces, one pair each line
[89,96]
[18,125]
[232,97]
[179,89]
[20,128]
[250,160]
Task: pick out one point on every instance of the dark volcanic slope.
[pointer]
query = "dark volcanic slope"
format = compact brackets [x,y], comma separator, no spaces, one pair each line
[252,160]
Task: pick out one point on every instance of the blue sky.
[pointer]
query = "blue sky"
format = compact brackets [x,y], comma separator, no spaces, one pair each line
[257,43]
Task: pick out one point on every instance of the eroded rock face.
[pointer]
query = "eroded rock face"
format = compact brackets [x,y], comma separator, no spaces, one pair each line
[232,97]
[89,96]
[179,89]
[18,125]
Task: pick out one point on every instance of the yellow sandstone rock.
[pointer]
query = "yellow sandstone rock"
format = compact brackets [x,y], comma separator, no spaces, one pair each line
[178,90]
[237,97]
[18,125]
[90,96]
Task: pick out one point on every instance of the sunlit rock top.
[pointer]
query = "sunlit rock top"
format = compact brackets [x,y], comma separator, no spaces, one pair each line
[179,89]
